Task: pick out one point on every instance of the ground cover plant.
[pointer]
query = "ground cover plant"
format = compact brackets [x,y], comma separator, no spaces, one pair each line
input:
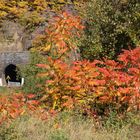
[12,106]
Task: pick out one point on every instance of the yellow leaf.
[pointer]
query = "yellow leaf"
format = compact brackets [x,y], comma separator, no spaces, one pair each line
[47,48]
[61,1]
[3,13]
[22,4]
[54,104]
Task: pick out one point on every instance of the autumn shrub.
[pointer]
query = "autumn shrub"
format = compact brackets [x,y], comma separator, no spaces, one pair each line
[16,105]
[60,38]
[96,87]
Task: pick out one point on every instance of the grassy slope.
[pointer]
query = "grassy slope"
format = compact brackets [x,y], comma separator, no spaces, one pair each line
[67,127]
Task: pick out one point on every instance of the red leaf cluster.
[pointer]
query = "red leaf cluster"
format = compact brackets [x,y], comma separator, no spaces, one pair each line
[88,84]
[16,105]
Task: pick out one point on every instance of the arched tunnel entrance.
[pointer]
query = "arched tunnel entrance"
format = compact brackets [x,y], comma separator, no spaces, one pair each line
[12,74]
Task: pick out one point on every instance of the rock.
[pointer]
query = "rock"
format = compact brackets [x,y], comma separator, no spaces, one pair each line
[13,37]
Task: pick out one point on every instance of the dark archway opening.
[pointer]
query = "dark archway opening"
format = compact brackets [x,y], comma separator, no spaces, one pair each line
[12,74]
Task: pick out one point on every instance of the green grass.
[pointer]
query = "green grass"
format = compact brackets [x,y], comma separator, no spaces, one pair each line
[9,90]
[69,127]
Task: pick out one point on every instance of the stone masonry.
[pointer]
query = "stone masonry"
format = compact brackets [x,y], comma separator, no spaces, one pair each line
[14,46]
[16,58]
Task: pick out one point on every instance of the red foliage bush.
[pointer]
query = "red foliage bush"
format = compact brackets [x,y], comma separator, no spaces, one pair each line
[95,85]
[16,105]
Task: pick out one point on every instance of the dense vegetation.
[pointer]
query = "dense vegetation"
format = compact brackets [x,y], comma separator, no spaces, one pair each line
[111,25]
[79,75]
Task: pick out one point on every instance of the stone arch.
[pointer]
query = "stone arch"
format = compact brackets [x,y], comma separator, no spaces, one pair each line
[12,75]
[7,60]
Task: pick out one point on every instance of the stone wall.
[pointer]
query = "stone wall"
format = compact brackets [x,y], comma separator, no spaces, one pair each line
[14,43]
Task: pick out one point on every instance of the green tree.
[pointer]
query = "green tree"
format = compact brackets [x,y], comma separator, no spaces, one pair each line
[111,25]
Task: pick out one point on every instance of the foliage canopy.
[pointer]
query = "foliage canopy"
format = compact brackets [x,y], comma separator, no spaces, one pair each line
[111,25]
